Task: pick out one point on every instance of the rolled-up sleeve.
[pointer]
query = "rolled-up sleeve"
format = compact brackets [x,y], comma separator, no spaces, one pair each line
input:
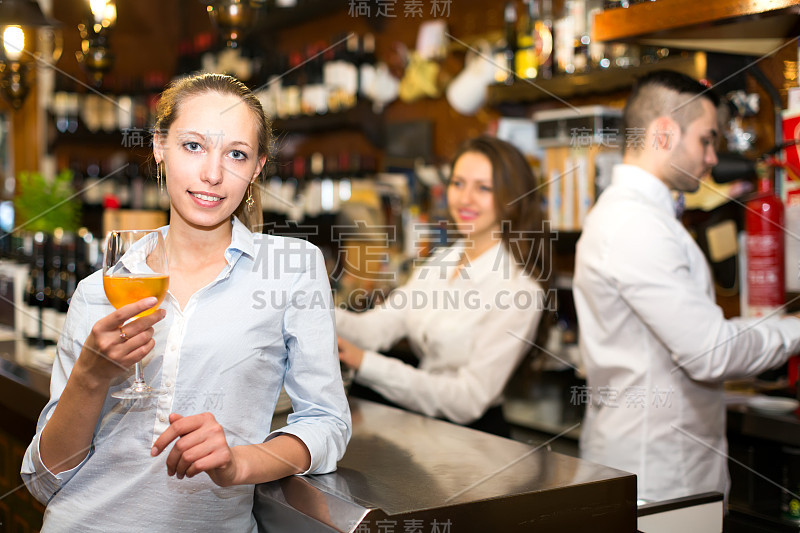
[41,482]
[313,381]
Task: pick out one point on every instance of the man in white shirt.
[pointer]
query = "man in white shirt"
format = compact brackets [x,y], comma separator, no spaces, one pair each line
[655,346]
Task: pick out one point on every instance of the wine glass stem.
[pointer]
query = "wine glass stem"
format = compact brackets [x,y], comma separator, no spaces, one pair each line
[138,381]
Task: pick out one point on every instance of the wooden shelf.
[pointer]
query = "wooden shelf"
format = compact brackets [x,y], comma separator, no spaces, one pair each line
[276,18]
[751,27]
[361,117]
[102,138]
[597,82]
[140,140]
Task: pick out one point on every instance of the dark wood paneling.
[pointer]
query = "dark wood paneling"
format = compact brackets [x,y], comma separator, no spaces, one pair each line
[651,17]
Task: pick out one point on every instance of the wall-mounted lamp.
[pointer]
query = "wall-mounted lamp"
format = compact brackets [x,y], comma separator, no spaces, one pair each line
[233,18]
[95,54]
[27,37]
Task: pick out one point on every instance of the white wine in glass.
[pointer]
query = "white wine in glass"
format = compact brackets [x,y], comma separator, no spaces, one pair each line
[135,267]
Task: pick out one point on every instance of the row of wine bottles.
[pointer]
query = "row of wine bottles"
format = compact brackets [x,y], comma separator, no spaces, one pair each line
[125,183]
[102,113]
[540,43]
[323,78]
[117,182]
[312,185]
[57,264]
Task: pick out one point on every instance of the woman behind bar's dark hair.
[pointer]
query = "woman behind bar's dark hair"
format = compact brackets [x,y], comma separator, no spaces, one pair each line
[188,460]
[470,312]
[517,202]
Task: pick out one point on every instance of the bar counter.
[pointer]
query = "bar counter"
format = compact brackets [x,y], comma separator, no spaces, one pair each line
[764,449]
[24,389]
[404,471]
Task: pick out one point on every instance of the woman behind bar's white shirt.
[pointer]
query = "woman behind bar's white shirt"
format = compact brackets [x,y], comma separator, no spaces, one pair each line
[166,465]
[470,312]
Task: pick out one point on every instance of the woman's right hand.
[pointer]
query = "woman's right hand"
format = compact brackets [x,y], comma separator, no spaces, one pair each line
[349,354]
[111,349]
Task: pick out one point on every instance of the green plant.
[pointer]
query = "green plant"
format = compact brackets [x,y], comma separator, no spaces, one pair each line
[44,205]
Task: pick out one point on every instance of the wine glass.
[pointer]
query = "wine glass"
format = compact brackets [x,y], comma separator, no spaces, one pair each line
[135,267]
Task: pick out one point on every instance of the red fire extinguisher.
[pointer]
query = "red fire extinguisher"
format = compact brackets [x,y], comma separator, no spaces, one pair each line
[764,227]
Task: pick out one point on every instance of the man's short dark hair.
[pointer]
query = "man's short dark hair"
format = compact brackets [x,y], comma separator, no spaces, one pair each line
[678,82]
[665,93]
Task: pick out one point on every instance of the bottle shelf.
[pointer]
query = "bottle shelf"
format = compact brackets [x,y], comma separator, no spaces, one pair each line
[129,138]
[118,139]
[751,27]
[361,117]
[594,82]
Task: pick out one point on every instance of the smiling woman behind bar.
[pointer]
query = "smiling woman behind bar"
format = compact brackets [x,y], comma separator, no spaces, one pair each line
[470,312]
[188,460]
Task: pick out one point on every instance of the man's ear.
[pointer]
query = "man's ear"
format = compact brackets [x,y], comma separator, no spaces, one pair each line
[666,133]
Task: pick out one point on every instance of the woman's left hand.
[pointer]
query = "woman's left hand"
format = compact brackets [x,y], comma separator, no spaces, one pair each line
[200,447]
[350,354]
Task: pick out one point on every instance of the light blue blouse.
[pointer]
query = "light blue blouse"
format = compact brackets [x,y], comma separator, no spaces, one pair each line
[265,321]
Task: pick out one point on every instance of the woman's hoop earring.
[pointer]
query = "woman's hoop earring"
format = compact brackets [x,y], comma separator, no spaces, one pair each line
[249,202]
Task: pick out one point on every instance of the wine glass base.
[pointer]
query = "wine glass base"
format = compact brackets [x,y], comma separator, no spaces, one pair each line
[137,392]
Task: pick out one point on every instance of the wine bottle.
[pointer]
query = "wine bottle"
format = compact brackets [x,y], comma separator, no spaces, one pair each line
[289,105]
[34,292]
[366,67]
[526,61]
[314,94]
[136,181]
[330,185]
[87,255]
[51,322]
[332,76]
[60,111]
[580,42]
[545,34]
[30,312]
[510,51]
[73,109]
[69,273]
[596,50]
[292,187]
[564,44]
[350,71]
[92,190]
[313,192]
[345,176]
